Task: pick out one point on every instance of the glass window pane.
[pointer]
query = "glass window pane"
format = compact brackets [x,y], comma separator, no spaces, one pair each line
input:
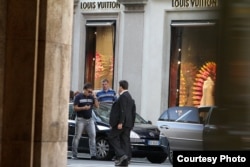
[183,114]
[193,65]
[99,61]
[164,116]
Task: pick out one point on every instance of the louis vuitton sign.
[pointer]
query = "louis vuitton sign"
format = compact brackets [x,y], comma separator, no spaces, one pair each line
[195,3]
[99,4]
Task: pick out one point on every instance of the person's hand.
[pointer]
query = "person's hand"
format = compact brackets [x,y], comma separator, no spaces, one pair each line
[119,126]
[86,107]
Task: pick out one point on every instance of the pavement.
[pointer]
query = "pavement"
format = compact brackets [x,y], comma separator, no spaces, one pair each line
[84,161]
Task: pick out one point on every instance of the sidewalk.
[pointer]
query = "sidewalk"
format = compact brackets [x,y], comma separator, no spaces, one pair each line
[94,163]
[84,161]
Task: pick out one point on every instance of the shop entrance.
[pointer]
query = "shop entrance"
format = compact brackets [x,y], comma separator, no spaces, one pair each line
[99,57]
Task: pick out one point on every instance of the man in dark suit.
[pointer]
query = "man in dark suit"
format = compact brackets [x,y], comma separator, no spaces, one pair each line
[122,118]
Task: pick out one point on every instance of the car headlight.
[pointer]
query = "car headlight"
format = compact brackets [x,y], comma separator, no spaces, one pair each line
[135,139]
[134,135]
[102,127]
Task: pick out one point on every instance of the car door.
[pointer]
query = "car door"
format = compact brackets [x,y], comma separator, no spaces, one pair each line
[182,127]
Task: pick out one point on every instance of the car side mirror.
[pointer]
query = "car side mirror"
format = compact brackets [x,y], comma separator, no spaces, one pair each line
[149,122]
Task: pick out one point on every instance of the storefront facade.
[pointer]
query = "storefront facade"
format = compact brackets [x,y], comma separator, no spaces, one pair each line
[166,49]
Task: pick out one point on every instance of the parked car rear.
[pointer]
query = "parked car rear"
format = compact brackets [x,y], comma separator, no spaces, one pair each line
[204,128]
[183,127]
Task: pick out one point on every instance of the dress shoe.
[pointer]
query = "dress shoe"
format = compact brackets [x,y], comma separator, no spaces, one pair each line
[121,160]
[93,158]
[74,157]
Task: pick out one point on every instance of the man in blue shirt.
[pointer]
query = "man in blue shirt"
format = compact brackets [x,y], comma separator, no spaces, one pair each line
[106,95]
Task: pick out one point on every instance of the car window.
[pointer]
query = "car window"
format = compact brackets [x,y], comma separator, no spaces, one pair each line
[203,113]
[139,119]
[189,116]
[103,113]
[216,116]
[164,116]
[184,114]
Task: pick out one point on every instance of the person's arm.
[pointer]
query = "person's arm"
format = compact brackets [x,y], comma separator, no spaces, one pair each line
[76,108]
[96,102]
[97,95]
[133,111]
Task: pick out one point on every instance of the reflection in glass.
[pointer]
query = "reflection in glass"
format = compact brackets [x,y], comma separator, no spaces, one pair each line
[193,56]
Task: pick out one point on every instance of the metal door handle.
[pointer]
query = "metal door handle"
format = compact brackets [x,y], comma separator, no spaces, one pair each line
[164,126]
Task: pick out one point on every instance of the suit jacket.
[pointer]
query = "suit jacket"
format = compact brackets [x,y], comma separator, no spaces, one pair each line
[123,111]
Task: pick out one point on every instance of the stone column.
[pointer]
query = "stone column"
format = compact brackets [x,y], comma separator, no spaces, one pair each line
[132,54]
[3,10]
[34,92]
[232,78]
[76,61]
[53,81]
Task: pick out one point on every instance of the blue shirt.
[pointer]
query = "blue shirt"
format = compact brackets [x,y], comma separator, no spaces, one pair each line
[108,96]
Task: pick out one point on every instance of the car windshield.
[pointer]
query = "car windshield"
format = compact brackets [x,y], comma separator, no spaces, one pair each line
[104,111]
[181,114]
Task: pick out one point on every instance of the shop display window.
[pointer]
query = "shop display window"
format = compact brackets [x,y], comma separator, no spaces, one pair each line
[194,48]
[99,58]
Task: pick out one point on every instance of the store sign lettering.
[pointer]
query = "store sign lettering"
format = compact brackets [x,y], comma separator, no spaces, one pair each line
[100,5]
[195,3]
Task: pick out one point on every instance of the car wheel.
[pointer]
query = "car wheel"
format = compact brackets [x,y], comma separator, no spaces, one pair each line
[170,155]
[103,151]
[157,158]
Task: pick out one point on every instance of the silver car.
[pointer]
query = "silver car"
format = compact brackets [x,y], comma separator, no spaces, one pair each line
[183,128]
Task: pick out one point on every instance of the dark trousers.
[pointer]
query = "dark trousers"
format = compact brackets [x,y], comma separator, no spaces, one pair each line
[120,140]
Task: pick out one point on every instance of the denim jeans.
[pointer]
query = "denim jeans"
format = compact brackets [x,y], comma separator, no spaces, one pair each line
[89,126]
